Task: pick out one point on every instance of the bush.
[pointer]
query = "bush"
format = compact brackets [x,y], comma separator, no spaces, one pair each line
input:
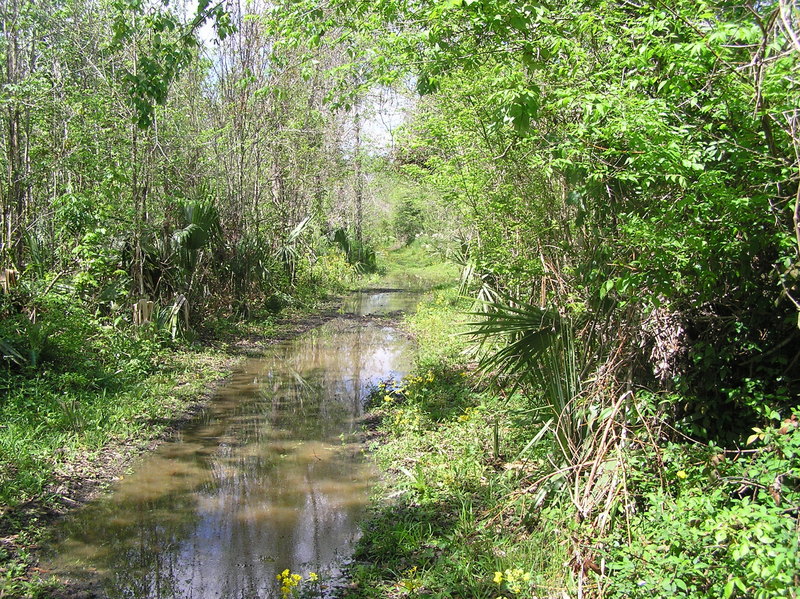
[408,222]
[727,529]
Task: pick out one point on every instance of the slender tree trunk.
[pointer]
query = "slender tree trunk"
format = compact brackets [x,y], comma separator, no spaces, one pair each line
[15,195]
[136,197]
[358,184]
[138,259]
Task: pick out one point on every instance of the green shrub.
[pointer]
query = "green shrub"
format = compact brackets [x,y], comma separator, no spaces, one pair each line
[725,526]
[408,221]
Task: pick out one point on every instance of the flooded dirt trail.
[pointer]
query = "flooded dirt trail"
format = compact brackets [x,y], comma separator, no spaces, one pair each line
[272,476]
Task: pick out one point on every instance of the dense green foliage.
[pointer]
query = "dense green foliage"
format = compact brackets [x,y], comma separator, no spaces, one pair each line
[142,163]
[619,182]
[625,183]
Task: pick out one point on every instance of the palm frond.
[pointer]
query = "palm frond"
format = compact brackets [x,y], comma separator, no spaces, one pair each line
[202,226]
[536,347]
[12,354]
[295,233]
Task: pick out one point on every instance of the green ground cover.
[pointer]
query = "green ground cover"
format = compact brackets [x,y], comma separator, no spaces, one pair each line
[474,500]
[449,520]
[418,264]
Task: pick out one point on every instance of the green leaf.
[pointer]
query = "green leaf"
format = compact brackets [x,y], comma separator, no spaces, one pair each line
[727,591]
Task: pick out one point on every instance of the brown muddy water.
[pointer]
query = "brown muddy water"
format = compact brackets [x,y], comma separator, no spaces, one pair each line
[270,477]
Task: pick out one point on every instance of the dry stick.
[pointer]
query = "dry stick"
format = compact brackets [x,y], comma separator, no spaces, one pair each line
[609,367]
[53,282]
[599,452]
[604,517]
[530,488]
[791,123]
[796,219]
[611,490]
[757,62]
[787,24]
[627,499]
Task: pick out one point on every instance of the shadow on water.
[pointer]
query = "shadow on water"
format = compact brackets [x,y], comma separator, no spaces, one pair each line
[270,477]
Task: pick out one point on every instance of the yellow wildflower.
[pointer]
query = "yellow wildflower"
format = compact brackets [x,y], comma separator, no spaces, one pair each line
[498,577]
[288,582]
[681,474]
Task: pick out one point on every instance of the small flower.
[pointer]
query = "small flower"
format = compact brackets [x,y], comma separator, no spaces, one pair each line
[498,577]
[312,576]
[682,474]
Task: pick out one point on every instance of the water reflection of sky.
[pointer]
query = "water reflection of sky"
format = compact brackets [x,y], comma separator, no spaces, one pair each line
[269,478]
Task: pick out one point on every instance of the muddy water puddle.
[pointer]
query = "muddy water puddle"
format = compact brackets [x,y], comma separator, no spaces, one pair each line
[271,477]
[402,295]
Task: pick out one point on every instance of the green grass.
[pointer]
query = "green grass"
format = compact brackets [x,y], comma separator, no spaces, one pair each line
[417,265]
[448,517]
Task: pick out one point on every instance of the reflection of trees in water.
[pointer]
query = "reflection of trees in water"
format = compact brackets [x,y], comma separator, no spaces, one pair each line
[316,387]
[262,483]
[245,527]
[133,543]
[311,388]
[368,302]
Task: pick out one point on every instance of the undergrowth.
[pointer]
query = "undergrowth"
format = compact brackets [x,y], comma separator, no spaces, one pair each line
[475,502]
[450,523]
